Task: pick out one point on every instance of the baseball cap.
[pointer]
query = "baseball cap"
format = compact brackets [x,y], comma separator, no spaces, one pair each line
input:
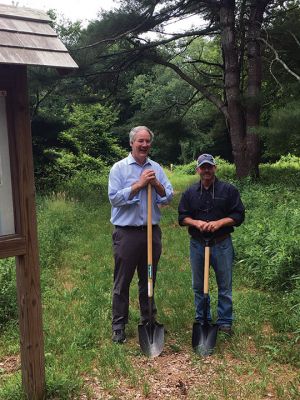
[205,159]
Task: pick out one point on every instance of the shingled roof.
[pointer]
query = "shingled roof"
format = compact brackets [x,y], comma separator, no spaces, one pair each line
[27,38]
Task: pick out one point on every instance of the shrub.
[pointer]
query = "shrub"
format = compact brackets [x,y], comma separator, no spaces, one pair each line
[87,144]
[225,171]
[268,242]
[56,224]
[90,186]
[186,169]
[8,295]
[282,134]
[286,170]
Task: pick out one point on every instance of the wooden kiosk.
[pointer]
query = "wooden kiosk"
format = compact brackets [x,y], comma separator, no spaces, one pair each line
[26,38]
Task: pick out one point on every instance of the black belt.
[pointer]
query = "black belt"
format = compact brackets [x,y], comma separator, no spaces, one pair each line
[212,242]
[131,227]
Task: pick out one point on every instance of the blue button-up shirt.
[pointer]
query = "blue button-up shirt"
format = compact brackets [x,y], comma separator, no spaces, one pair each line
[133,212]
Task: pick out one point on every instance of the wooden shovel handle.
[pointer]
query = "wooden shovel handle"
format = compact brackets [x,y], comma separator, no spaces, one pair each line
[149,241]
[206,269]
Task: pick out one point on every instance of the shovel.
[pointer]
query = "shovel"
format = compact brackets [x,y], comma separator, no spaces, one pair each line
[205,334]
[151,334]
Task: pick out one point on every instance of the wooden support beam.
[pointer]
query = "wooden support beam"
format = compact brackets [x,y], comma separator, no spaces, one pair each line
[27,264]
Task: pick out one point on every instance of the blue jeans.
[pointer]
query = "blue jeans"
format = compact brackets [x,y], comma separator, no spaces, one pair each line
[221,259]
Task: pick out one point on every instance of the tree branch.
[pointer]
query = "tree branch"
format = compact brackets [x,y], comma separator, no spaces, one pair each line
[203,32]
[294,36]
[201,88]
[277,58]
[189,102]
[211,64]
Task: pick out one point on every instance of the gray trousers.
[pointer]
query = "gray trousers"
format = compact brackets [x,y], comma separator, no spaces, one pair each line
[130,254]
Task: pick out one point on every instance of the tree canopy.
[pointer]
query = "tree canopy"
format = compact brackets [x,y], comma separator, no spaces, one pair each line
[218,86]
[232,80]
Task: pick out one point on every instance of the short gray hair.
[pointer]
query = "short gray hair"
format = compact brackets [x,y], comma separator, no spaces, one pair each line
[136,130]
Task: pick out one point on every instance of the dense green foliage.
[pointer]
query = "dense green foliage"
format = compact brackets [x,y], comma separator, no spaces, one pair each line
[282,136]
[85,146]
[84,118]
[177,112]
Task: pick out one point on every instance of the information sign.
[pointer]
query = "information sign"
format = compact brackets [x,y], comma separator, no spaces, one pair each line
[7,224]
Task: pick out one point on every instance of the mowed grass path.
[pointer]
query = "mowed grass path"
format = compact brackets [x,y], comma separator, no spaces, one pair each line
[259,362]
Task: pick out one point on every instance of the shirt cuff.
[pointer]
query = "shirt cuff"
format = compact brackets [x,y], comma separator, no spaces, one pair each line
[237,218]
[164,199]
[181,218]
[161,200]
[126,194]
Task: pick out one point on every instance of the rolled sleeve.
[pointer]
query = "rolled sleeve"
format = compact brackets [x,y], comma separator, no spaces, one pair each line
[237,209]
[183,209]
[167,198]
[168,189]
[120,197]
[117,195]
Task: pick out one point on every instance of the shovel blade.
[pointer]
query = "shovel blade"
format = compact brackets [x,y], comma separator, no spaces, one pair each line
[151,338]
[204,338]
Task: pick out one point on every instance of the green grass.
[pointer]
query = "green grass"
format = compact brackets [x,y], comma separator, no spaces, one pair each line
[77,273]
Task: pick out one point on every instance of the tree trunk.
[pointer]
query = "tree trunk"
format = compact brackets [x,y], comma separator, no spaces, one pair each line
[236,120]
[254,85]
[243,120]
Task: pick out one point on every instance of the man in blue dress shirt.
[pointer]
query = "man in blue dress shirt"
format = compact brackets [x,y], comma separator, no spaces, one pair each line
[127,191]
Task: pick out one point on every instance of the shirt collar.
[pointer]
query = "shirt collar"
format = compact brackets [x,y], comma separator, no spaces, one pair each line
[131,160]
[199,184]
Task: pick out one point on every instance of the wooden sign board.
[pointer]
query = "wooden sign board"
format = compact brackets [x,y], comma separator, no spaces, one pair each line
[7,224]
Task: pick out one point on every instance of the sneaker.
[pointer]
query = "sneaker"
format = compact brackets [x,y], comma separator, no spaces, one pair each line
[226,329]
[119,336]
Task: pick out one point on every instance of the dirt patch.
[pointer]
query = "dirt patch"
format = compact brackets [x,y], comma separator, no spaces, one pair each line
[9,365]
[169,376]
[183,375]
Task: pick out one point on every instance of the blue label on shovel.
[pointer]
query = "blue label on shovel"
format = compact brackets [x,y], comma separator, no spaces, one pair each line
[150,271]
